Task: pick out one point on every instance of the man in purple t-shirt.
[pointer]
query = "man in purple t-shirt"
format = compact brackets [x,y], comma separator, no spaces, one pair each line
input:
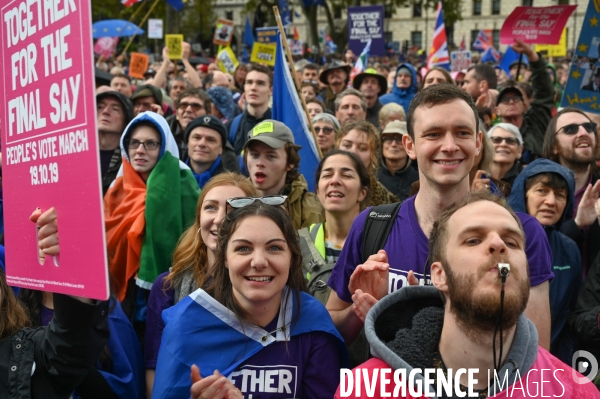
[444,138]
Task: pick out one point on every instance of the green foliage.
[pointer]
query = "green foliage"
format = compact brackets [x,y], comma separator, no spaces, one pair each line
[452,12]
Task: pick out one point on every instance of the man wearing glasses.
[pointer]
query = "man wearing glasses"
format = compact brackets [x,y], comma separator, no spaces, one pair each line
[571,141]
[395,172]
[192,104]
[531,122]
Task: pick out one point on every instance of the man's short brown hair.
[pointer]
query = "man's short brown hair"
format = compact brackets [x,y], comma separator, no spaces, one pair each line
[441,93]
[199,93]
[438,239]
[262,69]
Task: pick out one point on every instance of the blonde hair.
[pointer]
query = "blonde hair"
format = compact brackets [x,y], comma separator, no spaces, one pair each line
[191,251]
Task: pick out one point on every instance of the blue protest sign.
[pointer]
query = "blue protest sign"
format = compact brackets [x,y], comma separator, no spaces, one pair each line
[583,85]
[267,34]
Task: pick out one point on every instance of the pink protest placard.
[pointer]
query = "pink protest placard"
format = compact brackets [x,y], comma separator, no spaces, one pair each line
[539,25]
[50,146]
[105,46]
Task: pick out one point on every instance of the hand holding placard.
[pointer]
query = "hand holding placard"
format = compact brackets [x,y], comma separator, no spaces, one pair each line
[523,48]
[50,146]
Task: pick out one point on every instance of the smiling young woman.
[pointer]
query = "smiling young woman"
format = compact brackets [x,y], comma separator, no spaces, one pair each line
[192,259]
[253,320]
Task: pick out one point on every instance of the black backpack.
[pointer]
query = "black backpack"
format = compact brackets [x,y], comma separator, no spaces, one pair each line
[377,228]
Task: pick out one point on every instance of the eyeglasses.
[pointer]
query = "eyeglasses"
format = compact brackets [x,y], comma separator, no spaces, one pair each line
[509,140]
[573,128]
[240,202]
[326,130]
[506,100]
[195,107]
[148,145]
[388,138]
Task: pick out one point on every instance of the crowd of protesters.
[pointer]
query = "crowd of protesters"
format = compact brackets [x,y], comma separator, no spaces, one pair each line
[231,279]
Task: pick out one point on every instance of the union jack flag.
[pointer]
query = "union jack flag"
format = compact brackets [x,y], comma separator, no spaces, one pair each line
[490,55]
[483,40]
[438,53]
[129,3]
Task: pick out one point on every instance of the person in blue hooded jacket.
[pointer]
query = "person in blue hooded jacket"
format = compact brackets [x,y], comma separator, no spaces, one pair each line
[405,88]
[545,190]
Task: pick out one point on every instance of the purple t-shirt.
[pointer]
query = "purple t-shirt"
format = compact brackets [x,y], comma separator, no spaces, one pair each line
[306,366]
[407,249]
[159,300]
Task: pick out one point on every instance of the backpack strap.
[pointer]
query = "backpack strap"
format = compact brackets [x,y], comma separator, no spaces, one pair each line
[377,228]
[235,125]
[312,261]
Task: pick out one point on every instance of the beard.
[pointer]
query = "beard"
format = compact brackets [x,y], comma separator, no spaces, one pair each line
[478,312]
[573,160]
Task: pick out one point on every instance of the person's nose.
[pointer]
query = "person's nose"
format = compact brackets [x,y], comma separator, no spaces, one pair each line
[335,179]
[449,144]
[259,259]
[550,199]
[497,245]
[220,216]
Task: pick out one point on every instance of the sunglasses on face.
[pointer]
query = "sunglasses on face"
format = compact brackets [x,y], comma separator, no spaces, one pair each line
[508,140]
[514,99]
[195,107]
[573,128]
[148,145]
[326,130]
[392,137]
[240,202]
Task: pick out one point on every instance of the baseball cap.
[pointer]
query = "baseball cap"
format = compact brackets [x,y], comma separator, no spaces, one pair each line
[273,133]
[509,89]
[395,127]
[208,121]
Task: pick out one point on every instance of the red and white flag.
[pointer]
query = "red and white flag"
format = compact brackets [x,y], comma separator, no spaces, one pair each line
[129,3]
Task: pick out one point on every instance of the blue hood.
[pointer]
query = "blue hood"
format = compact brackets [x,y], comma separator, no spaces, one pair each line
[516,200]
[402,96]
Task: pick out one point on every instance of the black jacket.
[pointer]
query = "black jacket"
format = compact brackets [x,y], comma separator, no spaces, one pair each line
[62,353]
[373,114]
[587,240]
[246,124]
[539,114]
[584,320]
[178,133]
[399,183]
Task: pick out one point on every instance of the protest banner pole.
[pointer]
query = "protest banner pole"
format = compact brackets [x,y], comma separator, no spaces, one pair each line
[288,53]
[136,11]
[141,23]
[519,67]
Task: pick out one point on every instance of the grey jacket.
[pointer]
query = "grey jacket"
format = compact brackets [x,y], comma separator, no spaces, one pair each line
[404,330]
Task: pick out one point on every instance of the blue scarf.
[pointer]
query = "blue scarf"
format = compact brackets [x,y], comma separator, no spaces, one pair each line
[202,331]
[204,177]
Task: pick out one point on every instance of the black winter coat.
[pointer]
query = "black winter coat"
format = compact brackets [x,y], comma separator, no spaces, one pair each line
[50,362]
